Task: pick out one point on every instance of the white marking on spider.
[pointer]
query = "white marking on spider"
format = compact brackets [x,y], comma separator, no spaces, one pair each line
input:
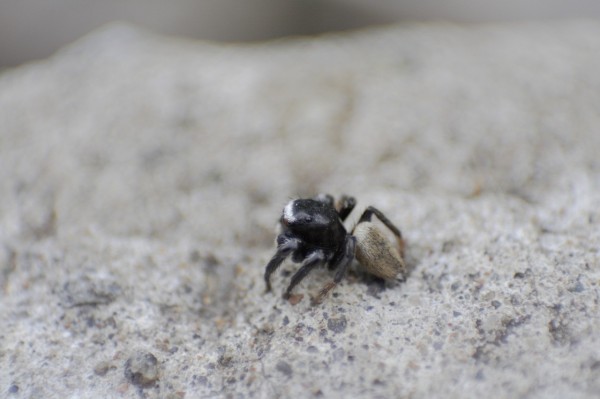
[288,212]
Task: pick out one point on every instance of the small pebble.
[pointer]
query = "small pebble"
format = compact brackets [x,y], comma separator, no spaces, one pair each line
[294,299]
[102,368]
[141,369]
[284,367]
[337,325]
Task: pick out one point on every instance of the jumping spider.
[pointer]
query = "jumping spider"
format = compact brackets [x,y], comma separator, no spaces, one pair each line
[312,232]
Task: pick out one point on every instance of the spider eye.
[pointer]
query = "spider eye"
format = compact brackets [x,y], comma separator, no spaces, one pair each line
[303,218]
[306,219]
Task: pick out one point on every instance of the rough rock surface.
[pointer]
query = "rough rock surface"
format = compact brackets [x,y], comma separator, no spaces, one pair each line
[141,179]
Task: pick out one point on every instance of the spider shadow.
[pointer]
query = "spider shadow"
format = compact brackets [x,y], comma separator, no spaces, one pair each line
[357,275]
[377,285]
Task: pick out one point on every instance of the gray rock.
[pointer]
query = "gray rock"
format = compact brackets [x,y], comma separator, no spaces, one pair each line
[141,179]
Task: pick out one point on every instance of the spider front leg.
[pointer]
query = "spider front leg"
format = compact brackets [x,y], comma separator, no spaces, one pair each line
[314,259]
[343,262]
[285,246]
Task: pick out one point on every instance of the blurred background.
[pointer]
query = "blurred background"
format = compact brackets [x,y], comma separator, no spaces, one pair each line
[33,29]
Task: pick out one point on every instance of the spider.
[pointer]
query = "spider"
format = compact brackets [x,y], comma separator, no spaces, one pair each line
[313,233]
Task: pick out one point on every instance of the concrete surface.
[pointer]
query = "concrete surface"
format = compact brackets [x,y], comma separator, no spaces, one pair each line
[141,178]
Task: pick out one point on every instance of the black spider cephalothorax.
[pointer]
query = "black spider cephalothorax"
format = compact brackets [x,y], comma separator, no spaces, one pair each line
[313,233]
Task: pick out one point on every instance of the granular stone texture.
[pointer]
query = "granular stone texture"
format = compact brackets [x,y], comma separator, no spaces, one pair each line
[141,179]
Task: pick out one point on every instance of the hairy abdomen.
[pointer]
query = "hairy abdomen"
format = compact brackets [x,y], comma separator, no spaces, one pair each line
[377,254]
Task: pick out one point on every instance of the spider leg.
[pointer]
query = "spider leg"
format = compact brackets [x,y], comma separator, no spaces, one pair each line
[366,217]
[344,206]
[343,263]
[313,259]
[285,246]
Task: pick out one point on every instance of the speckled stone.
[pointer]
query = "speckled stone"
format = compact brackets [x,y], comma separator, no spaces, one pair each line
[141,179]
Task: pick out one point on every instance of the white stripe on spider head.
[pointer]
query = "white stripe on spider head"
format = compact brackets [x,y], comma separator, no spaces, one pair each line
[288,212]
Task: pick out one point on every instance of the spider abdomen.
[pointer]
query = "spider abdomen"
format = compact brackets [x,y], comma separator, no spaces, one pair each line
[376,254]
